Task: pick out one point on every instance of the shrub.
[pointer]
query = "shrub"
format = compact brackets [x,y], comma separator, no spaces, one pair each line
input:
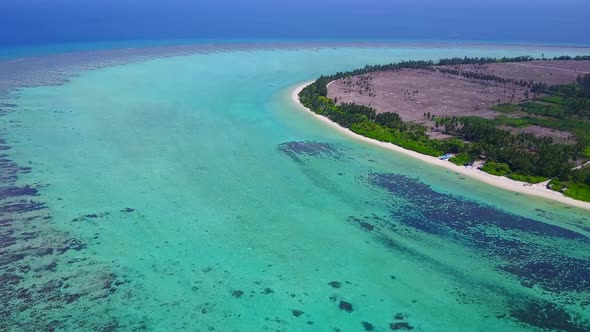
[499,169]
[460,159]
[527,178]
[579,191]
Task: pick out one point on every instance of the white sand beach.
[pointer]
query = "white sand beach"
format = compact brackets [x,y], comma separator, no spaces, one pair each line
[539,190]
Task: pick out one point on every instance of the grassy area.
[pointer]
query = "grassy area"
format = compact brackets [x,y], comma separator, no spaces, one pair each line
[499,169]
[513,122]
[577,185]
[557,185]
[527,178]
[385,134]
[553,99]
[507,108]
[554,105]
[575,190]
[550,106]
[546,109]
[460,159]
[579,191]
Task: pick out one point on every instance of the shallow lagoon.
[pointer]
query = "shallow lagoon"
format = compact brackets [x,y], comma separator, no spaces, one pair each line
[187,192]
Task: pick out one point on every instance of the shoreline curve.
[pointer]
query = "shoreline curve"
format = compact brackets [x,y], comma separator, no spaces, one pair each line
[537,190]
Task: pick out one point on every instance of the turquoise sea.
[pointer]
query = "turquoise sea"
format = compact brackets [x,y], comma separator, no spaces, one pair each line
[184,191]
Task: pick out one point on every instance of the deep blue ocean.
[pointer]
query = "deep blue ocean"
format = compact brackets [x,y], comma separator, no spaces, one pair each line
[38,26]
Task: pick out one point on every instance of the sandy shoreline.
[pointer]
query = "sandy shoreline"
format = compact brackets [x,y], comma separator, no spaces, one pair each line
[538,190]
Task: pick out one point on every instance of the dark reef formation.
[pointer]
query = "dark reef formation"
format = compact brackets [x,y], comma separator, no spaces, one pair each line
[41,283]
[547,316]
[299,150]
[536,253]
[297,313]
[335,284]
[345,306]
[521,243]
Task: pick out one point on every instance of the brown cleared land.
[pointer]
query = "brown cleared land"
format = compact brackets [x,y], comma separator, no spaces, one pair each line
[412,93]
[550,72]
[558,136]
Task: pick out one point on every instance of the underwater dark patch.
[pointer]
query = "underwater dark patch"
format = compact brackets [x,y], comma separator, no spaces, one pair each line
[9,171]
[454,213]
[399,316]
[29,249]
[7,258]
[300,149]
[364,225]
[335,284]
[17,191]
[368,326]
[548,316]
[558,273]
[522,244]
[297,313]
[91,216]
[71,244]
[10,279]
[400,326]
[21,206]
[345,306]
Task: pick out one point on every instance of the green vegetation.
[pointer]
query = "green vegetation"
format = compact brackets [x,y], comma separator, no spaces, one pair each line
[546,109]
[579,184]
[410,141]
[521,157]
[527,178]
[579,191]
[575,185]
[499,169]
[523,153]
[565,108]
[575,190]
[514,122]
[549,106]
[460,159]
[532,159]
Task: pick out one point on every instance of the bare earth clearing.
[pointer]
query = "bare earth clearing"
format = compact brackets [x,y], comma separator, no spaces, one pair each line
[550,72]
[412,93]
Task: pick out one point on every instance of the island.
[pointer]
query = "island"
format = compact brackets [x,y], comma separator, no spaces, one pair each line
[523,120]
